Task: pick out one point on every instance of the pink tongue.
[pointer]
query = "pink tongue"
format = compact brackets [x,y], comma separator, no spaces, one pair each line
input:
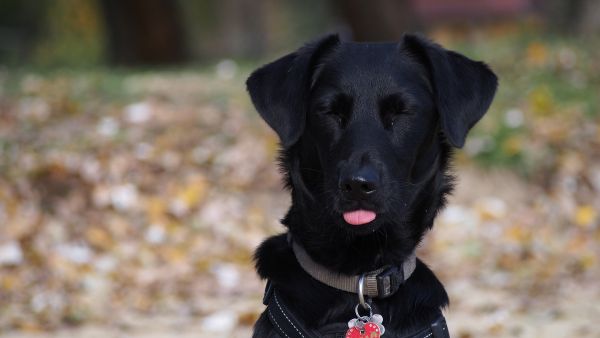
[359,217]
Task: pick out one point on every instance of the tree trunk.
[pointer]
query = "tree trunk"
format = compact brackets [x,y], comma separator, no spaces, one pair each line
[590,18]
[377,20]
[144,32]
[242,27]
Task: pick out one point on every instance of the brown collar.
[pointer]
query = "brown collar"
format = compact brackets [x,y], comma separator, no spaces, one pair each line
[380,283]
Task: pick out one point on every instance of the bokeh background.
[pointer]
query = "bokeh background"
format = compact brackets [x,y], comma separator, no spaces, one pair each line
[136,178]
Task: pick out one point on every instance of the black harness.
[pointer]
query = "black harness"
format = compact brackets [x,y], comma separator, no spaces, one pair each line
[288,326]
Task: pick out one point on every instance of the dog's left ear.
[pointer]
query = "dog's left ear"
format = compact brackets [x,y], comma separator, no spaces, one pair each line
[463,88]
[279,90]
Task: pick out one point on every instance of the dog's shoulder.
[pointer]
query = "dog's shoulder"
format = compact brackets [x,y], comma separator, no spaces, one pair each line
[275,259]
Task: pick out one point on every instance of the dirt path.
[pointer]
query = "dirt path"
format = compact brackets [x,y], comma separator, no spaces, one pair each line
[493,294]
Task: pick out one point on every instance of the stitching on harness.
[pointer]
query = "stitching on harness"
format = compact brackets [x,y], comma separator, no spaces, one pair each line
[300,333]
[286,317]
[276,323]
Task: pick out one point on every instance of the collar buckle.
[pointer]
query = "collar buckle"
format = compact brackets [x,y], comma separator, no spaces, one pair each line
[389,281]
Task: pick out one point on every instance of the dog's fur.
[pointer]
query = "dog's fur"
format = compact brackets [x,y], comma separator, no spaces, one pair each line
[390,111]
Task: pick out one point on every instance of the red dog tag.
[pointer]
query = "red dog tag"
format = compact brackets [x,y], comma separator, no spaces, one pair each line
[369,330]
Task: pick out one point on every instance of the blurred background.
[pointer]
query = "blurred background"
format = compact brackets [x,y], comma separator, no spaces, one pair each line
[135,174]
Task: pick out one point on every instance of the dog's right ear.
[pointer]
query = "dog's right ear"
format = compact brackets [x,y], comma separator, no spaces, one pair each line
[279,90]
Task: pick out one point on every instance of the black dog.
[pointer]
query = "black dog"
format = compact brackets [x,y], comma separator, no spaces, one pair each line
[367,131]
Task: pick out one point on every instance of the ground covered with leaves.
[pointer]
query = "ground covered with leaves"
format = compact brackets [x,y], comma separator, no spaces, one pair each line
[126,198]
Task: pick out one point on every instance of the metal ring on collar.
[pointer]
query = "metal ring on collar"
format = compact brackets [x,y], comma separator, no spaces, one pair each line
[361,295]
[368,307]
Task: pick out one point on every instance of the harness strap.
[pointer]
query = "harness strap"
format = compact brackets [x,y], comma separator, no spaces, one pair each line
[284,322]
[288,326]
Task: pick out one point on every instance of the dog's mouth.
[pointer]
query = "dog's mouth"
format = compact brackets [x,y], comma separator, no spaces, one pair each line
[359,217]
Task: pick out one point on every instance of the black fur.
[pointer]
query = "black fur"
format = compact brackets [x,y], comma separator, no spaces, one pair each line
[391,112]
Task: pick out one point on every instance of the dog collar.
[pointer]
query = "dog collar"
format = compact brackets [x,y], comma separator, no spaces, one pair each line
[380,283]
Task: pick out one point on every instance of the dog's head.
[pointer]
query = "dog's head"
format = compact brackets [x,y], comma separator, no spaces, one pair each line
[366,129]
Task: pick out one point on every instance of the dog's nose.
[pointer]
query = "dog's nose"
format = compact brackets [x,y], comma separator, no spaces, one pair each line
[361,185]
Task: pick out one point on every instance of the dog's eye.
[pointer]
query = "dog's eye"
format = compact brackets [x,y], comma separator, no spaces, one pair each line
[330,113]
[339,118]
[337,109]
[391,109]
